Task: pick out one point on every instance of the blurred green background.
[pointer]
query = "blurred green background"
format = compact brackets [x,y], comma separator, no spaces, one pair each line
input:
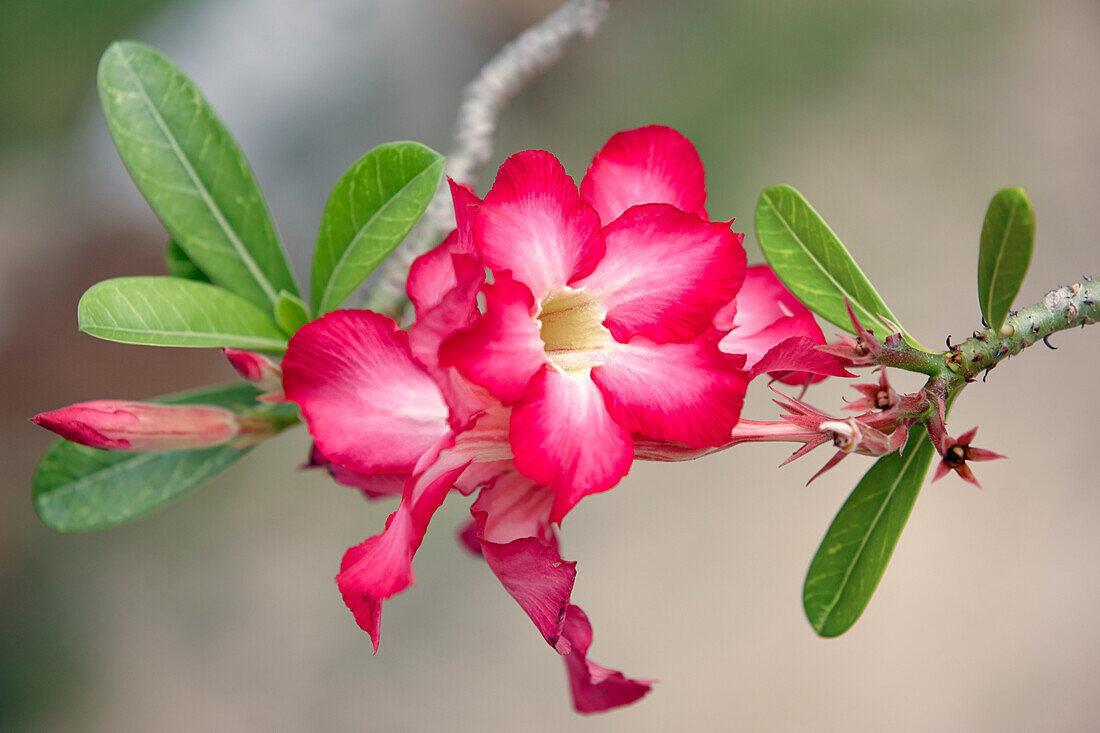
[898,121]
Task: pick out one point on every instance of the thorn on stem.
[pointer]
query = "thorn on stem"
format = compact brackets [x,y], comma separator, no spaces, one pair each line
[1045,341]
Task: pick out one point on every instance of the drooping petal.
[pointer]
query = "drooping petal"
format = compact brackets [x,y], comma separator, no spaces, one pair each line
[647,165]
[685,392]
[373,485]
[534,223]
[369,406]
[595,688]
[502,350]
[665,273]
[563,437]
[516,540]
[382,565]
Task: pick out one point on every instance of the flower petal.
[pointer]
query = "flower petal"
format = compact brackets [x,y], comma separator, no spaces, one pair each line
[516,540]
[534,223]
[665,273]
[437,319]
[755,344]
[689,393]
[452,306]
[382,565]
[761,301]
[796,360]
[369,406]
[595,688]
[373,485]
[563,437]
[647,165]
[502,350]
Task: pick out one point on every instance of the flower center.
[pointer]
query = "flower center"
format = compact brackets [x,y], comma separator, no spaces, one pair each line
[955,455]
[572,331]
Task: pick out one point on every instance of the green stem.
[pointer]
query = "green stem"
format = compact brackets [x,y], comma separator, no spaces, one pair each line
[949,371]
[1060,309]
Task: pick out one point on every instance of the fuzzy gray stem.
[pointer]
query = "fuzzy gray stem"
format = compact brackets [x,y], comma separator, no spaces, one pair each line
[532,52]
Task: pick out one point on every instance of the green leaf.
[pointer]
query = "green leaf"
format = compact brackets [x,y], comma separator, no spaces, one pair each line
[191,171]
[77,488]
[291,313]
[1007,238]
[168,311]
[853,556]
[374,205]
[180,265]
[811,261]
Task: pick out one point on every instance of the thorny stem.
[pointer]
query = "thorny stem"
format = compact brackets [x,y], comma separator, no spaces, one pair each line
[532,52]
[951,370]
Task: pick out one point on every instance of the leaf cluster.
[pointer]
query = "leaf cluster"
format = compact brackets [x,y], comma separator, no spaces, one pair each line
[813,263]
[228,283]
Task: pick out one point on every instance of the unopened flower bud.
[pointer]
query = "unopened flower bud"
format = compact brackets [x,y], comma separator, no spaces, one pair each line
[257,369]
[144,426]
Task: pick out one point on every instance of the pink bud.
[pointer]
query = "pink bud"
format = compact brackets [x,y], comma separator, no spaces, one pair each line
[142,426]
[256,369]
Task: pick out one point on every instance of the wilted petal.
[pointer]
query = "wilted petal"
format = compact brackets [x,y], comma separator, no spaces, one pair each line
[563,437]
[647,165]
[595,688]
[369,406]
[689,393]
[665,273]
[516,541]
[534,223]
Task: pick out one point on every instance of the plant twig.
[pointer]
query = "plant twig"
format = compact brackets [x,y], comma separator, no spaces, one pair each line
[532,52]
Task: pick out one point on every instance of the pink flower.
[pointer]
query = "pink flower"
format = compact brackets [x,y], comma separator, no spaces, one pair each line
[598,320]
[598,341]
[143,426]
[775,331]
[372,406]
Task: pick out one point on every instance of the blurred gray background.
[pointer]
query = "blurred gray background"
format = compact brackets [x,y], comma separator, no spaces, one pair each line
[897,120]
